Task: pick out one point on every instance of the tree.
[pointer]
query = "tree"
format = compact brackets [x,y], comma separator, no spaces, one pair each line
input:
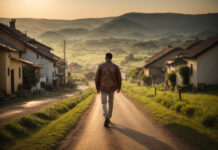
[30,78]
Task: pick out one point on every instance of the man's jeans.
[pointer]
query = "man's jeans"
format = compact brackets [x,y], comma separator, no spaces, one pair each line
[107,114]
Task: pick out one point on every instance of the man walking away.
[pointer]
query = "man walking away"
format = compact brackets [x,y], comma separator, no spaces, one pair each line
[107,80]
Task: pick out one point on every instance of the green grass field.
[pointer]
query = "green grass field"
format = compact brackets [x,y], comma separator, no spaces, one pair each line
[194,118]
[35,131]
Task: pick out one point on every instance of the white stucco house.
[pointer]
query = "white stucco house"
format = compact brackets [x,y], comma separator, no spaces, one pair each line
[202,59]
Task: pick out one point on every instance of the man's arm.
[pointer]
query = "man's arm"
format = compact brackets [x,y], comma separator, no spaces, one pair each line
[97,79]
[119,78]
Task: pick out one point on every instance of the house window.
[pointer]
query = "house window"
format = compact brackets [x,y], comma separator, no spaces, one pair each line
[191,69]
[8,71]
[19,72]
[37,56]
[20,54]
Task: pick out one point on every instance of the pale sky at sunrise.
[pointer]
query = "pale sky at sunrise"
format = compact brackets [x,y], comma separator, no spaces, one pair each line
[74,9]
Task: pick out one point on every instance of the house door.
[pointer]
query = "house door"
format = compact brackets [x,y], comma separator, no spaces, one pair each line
[12,81]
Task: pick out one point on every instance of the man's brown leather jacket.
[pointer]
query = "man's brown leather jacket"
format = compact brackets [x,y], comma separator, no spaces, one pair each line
[108,77]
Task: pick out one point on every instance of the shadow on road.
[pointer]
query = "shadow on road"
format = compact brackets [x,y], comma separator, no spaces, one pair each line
[147,141]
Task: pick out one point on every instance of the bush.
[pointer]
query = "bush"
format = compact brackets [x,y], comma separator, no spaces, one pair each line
[167,103]
[42,84]
[28,122]
[71,85]
[179,106]
[136,73]
[184,73]
[189,110]
[20,87]
[172,78]
[48,87]
[210,121]
[30,78]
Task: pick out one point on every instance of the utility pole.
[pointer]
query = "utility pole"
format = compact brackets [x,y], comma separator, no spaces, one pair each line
[64,64]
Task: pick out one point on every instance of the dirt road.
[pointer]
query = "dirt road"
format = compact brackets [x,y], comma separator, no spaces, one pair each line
[22,108]
[131,129]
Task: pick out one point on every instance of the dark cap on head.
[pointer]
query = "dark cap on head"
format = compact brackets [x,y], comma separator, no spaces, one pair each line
[108,56]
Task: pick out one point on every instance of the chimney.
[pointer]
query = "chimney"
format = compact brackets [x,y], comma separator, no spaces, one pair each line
[12,23]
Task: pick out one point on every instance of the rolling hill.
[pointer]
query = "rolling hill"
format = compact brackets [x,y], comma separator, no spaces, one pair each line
[120,27]
[130,25]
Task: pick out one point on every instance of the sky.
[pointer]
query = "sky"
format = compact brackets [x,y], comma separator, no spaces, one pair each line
[75,9]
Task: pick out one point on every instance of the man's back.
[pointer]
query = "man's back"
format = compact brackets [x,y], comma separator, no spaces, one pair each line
[108,77]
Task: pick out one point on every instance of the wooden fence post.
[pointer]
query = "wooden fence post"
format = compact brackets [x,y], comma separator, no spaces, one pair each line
[180,94]
[155,90]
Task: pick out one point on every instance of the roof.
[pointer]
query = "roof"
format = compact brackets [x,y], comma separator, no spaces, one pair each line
[9,45]
[26,62]
[7,48]
[200,48]
[75,65]
[29,42]
[161,54]
[176,62]
[192,43]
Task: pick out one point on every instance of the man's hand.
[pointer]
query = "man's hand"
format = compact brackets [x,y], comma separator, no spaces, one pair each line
[98,91]
[118,91]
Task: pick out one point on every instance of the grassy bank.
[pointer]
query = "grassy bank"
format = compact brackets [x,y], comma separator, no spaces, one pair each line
[194,118]
[42,130]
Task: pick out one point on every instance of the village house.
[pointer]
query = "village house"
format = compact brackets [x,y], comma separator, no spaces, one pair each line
[74,68]
[61,71]
[31,50]
[155,66]
[11,67]
[202,59]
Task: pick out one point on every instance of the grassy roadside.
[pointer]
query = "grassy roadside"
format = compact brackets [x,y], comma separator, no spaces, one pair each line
[42,130]
[188,127]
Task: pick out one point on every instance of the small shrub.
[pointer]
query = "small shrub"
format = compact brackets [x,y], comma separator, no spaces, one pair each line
[42,84]
[210,121]
[178,106]
[167,103]
[150,95]
[4,137]
[172,78]
[43,116]
[189,110]
[15,130]
[184,73]
[20,87]
[158,100]
[72,85]
[30,78]
[28,122]
[48,87]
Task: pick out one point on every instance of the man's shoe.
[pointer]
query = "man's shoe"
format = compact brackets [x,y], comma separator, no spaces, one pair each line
[109,121]
[106,122]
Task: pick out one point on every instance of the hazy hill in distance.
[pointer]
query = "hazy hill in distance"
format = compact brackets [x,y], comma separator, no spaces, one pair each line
[120,27]
[131,25]
[177,23]
[36,27]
